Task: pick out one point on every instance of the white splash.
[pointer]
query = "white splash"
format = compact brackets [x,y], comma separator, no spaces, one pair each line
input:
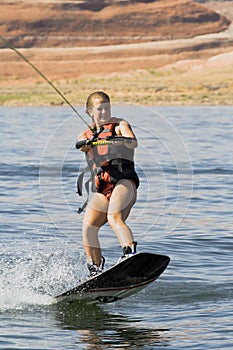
[34,278]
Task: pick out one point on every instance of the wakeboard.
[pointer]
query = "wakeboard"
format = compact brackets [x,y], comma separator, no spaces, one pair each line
[127,277]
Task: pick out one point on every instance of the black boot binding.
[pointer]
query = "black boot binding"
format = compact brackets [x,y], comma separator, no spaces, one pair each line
[128,251]
[94,269]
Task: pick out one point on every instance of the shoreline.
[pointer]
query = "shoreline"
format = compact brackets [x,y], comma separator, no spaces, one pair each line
[188,81]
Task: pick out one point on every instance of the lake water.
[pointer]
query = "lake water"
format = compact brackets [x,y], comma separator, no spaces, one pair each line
[184,210]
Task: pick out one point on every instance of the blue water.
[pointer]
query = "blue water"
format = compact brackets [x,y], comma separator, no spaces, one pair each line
[184,210]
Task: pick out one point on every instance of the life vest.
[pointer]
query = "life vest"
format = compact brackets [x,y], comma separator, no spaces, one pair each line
[109,163]
[101,154]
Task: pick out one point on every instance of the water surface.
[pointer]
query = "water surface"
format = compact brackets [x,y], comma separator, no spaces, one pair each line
[184,210]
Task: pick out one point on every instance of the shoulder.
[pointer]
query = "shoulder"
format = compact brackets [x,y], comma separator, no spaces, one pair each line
[119,121]
[86,134]
[120,125]
[115,120]
[82,136]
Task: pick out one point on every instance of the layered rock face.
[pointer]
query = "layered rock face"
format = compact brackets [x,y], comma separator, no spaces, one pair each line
[94,22]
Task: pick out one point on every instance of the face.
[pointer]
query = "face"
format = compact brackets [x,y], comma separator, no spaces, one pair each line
[101,112]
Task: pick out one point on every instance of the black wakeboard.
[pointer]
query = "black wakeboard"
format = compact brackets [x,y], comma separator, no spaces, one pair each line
[119,281]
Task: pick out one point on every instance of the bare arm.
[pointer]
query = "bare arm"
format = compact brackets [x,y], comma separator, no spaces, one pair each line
[124,129]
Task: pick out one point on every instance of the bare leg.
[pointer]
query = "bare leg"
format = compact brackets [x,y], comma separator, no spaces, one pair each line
[123,197]
[93,220]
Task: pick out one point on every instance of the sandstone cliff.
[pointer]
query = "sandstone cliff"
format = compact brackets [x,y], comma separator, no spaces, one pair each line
[92,23]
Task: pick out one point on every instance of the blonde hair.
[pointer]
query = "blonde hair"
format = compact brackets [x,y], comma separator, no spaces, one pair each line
[97,94]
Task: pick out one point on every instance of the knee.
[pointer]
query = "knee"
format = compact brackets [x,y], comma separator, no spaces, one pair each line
[114,219]
[90,234]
